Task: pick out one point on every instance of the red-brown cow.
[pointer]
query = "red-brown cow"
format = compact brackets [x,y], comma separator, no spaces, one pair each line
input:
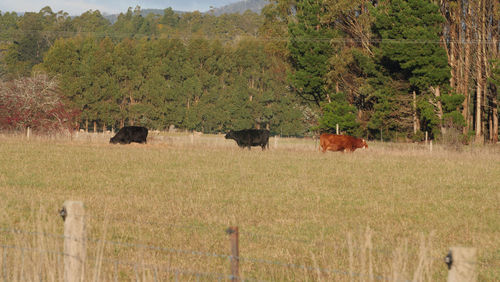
[342,143]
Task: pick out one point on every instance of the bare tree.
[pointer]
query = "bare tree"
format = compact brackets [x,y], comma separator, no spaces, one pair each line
[34,102]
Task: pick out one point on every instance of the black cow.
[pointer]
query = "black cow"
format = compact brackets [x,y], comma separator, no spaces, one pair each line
[250,137]
[129,134]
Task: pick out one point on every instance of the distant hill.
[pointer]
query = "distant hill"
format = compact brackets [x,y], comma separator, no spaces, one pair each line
[238,7]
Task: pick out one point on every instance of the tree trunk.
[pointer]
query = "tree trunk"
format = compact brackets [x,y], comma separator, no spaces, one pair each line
[479,78]
[437,93]
[495,121]
[466,68]
[490,127]
[494,51]
[479,92]
[416,125]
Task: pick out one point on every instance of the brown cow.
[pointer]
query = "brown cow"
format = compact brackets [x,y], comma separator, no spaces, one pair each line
[342,143]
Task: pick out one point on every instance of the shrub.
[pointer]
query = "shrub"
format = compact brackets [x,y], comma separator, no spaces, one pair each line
[34,102]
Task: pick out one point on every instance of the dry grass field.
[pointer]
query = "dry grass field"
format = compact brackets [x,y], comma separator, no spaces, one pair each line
[159,212]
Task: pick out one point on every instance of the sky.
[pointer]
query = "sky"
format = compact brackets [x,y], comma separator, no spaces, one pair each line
[77,7]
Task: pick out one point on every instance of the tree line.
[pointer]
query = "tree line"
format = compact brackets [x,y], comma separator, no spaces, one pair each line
[379,69]
[396,68]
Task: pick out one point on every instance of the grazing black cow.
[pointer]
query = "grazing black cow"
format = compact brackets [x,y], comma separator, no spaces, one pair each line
[250,137]
[129,134]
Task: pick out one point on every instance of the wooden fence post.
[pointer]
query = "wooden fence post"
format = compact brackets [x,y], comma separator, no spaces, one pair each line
[337,129]
[235,259]
[461,264]
[75,237]
[430,145]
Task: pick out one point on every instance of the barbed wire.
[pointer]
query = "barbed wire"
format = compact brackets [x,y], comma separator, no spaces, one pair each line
[240,258]
[38,250]
[200,253]
[174,270]
[249,233]
[222,226]
[174,250]
[382,251]
[190,272]
[32,233]
[185,251]
[207,254]
[158,248]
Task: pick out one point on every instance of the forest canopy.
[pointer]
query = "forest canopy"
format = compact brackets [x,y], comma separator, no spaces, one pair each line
[379,69]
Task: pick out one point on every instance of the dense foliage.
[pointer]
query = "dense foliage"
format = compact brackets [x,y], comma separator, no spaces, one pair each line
[378,69]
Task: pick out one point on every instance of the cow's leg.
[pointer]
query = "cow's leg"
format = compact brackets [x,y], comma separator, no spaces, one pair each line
[323,148]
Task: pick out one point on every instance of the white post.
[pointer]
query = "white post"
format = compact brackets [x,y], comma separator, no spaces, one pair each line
[75,250]
[28,133]
[462,263]
[337,129]
[426,137]
[430,145]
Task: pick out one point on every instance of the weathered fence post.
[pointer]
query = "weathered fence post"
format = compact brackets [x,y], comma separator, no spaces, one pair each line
[426,137]
[430,145]
[235,259]
[461,264]
[28,133]
[337,129]
[75,250]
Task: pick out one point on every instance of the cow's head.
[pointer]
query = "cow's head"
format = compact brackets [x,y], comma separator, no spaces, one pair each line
[230,135]
[363,144]
[114,140]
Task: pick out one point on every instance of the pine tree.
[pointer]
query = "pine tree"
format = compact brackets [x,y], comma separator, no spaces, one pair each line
[309,47]
[410,50]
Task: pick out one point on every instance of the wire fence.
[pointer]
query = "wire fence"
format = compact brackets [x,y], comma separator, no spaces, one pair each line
[176,272]
[137,266]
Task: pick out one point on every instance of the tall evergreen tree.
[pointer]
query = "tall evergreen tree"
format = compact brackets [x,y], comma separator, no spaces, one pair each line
[309,46]
[410,50]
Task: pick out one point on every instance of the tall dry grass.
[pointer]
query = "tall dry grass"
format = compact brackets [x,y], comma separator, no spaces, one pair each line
[159,211]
